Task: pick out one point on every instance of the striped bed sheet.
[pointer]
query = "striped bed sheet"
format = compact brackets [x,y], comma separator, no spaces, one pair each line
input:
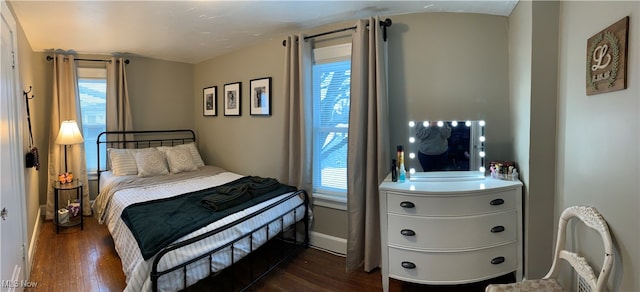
[137,270]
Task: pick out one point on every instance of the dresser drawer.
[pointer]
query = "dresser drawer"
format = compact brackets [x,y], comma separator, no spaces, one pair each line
[451,268]
[451,205]
[448,233]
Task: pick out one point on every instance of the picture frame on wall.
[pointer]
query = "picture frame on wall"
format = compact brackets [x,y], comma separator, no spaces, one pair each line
[260,97]
[210,101]
[232,97]
[607,59]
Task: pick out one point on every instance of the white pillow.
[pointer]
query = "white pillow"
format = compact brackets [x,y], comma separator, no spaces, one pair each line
[180,159]
[150,163]
[122,163]
[134,151]
[195,155]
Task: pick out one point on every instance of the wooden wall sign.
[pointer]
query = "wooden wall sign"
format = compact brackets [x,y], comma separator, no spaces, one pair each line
[607,59]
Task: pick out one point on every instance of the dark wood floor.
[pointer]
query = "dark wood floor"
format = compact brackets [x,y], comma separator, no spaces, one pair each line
[86,260]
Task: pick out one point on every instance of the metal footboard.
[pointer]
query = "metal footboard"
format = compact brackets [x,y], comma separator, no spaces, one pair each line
[156,274]
[154,138]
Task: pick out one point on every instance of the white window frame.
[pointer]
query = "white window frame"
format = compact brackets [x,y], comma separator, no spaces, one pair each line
[92,73]
[329,54]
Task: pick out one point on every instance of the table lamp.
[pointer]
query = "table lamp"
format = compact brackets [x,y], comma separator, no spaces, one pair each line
[69,134]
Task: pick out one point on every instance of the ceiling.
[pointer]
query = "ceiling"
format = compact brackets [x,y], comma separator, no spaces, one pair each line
[194,31]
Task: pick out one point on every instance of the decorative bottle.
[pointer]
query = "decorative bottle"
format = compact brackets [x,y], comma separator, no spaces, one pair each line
[402,172]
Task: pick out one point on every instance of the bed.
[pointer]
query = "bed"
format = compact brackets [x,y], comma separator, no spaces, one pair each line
[170,227]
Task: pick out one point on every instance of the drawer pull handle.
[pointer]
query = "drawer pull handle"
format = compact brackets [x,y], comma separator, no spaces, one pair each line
[408,265]
[497,260]
[407,205]
[496,202]
[497,229]
[407,232]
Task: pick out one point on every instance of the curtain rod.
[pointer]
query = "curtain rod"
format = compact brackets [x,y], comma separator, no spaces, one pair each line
[126,61]
[384,23]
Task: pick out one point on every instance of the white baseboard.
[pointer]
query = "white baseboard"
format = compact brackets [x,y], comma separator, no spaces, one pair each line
[34,237]
[329,243]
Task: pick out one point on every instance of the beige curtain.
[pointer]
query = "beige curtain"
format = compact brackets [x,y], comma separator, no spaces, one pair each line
[118,110]
[368,156]
[298,113]
[65,106]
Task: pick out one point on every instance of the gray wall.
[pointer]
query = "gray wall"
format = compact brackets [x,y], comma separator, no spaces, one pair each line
[565,141]
[161,98]
[161,94]
[533,41]
[244,144]
[445,66]
[28,77]
[599,138]
[441,66]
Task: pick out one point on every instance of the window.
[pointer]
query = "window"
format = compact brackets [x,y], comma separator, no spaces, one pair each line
[92,86]
[331,89]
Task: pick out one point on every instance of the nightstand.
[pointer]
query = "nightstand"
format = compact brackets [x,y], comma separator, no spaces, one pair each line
[76,186]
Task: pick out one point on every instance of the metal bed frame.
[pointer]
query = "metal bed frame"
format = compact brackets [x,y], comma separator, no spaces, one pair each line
[141,139]
[145,139]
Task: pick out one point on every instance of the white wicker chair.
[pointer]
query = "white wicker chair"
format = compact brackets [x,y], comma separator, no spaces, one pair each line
[591,218]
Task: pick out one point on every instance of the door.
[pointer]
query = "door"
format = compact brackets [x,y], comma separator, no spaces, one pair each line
[12,234]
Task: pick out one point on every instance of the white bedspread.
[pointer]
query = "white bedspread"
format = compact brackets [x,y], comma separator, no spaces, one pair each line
[137,269]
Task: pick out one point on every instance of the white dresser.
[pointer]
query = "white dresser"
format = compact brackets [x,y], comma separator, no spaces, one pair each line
[451,231]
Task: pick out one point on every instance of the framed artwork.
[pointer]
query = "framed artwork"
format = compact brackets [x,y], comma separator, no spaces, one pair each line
[607,58]
[232,96]
[210,101]
[260,99]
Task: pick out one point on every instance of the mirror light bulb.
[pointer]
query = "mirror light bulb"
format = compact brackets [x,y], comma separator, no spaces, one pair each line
[481,123]
[425,124]
[412,140]
[481,153]
[412,124]
[412,155]
[482,138]
[467,123]
[412,170]
[454,123]
[440,124]
[482,169]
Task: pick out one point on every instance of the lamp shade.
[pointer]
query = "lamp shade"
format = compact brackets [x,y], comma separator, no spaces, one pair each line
[69,133]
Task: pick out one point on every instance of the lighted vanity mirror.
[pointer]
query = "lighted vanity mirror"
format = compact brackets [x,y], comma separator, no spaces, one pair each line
[443,150]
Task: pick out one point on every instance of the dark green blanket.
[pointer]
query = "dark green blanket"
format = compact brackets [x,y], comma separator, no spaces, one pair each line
[155,224]
[229,196]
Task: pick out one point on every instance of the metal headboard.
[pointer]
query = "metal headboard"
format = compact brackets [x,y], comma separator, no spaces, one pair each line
[141,139]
